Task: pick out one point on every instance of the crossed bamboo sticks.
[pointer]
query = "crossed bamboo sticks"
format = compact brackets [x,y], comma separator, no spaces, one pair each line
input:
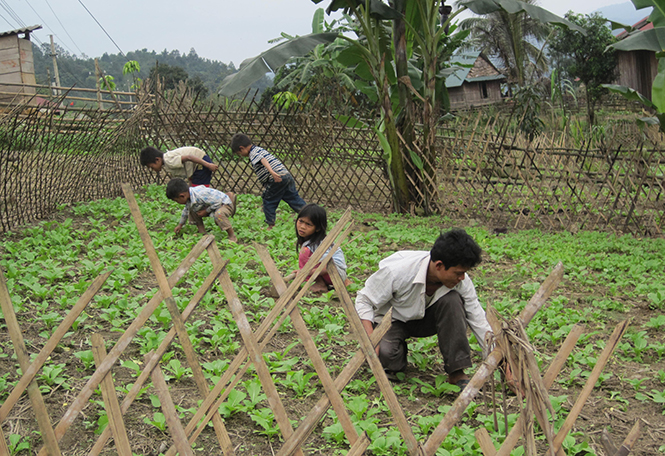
[251,354]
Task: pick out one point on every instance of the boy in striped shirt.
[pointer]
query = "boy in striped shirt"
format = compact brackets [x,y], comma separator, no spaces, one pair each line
[278,183]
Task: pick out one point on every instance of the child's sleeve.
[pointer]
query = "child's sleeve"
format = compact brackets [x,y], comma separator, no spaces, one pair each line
[183,216]
[303,257]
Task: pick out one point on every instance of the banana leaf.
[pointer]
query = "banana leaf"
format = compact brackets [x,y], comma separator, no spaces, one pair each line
[377,9]
[619,26]
[515,6]
[253,69]
[629,94]
[648,40]
[657,16]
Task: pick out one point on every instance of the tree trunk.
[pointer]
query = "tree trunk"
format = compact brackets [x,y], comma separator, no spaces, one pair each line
[399,181]
[405,118]
[590,109]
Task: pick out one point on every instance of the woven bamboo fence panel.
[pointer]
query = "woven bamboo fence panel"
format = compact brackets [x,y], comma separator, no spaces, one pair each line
[552,183]
[484,172]
[47,160]
[333,163]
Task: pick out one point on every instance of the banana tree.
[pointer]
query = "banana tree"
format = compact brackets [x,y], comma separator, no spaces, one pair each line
[649,40]
[379,63]
[417,32]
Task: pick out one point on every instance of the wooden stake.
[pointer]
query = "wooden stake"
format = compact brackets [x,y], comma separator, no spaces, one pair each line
[197,371]
[122,343]
[485,442]
[373,361]
[170,413]
[548,380]
[38,406]
[163,346]
[630,440]
[310,347]
[256,357]
[266,330]
[607,443]
[316,414]
[160,275]
[590,384]
[4,450]
[54,340]
[111,405]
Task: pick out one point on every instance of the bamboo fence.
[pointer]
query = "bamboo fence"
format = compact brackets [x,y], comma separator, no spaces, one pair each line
[484,170]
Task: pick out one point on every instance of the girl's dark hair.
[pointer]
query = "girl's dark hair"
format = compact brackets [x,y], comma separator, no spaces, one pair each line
[317,215]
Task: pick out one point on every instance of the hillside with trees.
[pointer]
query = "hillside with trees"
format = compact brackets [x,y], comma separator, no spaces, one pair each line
[204,75]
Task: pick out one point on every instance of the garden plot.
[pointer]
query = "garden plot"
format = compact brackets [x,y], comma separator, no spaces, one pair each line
[103,234]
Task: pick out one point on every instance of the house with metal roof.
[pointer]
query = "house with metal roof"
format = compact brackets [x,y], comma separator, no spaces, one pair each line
[17,65]
[477,82]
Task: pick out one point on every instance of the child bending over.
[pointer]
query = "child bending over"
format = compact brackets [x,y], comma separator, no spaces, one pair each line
[200,202]
[311,226]
[189,163]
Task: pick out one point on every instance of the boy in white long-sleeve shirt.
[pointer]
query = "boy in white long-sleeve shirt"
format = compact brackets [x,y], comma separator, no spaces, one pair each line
[430,293]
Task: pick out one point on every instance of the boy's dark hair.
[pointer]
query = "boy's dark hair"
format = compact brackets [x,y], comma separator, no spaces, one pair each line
[150,155]
[456,248]
[175,187]
[317,215]
[240,140]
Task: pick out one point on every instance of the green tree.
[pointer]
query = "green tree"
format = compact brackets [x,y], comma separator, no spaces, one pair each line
[132,67]
[318,74]
[586,58]
[423,39]
[80,71]
[170,75]
[197,86]
[512,39]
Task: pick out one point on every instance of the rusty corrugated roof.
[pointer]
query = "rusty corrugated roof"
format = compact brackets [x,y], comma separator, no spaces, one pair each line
[32,28]
[639,26]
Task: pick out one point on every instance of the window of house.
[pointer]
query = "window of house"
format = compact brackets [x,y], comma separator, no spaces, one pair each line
[483,90]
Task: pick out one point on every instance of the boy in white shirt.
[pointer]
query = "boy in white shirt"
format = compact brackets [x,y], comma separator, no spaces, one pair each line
[430,293]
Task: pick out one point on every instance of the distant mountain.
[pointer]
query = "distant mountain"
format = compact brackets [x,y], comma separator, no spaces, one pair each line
[80,72]
[624,13]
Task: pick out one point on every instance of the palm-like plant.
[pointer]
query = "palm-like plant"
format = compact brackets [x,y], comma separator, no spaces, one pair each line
[319,74]
[512,39]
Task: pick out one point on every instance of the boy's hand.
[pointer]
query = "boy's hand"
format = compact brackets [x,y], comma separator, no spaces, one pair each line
[212,167]
[202,213]
[177,228]
[277,178]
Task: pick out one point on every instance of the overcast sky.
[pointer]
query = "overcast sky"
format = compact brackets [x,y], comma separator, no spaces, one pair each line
[224,30]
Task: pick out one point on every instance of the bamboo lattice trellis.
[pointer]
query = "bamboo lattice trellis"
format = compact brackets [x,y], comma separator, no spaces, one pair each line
[482,172]
[250,354]
[551,184]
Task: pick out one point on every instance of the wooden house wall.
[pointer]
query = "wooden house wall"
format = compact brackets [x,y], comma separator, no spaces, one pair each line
[16,66]
[637,70]
[470,94]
